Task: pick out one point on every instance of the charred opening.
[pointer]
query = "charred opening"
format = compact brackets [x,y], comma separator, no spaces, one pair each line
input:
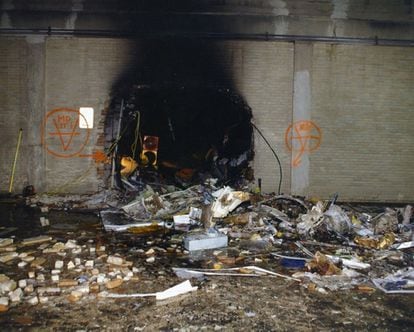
[181,120]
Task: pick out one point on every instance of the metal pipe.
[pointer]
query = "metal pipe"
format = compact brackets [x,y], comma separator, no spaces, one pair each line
[209,35]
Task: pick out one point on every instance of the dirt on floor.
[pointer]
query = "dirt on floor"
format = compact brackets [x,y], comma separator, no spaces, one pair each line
[221,303]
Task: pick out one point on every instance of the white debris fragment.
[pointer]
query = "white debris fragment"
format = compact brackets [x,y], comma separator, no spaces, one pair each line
[44,209]
[58,264]
[101,279]
[33,300]
[43,299]
[150,259]
[44,221]
[22,264]
[40,277]
[6,284]
[127,272]
[22,283]
[83,289]
[29,289]
[150,252]
[71,244]
[16,295]
[89,263]
[226,201]
[115,260]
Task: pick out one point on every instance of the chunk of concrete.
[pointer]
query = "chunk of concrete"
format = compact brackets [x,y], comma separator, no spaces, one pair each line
[6,242]
[8,257]
[29,289]
[115,260]
[22,283]
[114,283]
[7,286]
[33,300]
[16,295]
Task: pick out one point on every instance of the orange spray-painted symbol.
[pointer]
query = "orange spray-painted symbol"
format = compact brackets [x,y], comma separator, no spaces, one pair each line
[301,137]
[61,135]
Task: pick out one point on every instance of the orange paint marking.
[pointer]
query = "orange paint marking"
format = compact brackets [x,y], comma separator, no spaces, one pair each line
[302,137]
[98,156]
[59,130]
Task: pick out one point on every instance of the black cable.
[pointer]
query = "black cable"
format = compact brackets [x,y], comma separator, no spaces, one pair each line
[274,153]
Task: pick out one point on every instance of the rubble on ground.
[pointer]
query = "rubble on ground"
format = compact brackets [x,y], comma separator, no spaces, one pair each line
[324,246]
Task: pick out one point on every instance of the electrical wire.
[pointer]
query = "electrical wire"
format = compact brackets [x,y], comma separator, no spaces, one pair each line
[134,145]
[274,153]
[114,143]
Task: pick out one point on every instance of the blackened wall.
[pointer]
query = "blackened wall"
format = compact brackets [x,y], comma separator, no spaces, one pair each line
[351,104]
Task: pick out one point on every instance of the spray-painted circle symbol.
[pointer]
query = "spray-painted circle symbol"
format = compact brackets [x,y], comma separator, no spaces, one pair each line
[61,135]
[302,136]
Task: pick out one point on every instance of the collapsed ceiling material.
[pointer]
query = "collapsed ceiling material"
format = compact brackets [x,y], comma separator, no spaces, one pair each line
[182,136]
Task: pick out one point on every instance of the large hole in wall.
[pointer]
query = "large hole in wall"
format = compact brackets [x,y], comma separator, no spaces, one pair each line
[199,132]
[182,121]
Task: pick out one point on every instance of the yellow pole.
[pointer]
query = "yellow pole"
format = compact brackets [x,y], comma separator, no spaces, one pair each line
[15,159]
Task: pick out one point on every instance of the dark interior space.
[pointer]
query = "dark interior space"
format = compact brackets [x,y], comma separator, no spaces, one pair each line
[177,92]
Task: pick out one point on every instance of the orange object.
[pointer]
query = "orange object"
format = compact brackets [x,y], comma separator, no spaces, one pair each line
[323,265]
[129,165]
[149,150]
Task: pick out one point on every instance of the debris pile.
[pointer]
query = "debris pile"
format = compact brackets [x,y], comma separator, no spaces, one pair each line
[322,246]
[326,245]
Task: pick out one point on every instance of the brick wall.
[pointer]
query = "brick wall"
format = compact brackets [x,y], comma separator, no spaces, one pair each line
[263,74]
[80,73]
[361,98]
[13,107]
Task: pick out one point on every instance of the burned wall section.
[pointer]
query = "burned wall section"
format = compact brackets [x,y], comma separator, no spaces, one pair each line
[179,91]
